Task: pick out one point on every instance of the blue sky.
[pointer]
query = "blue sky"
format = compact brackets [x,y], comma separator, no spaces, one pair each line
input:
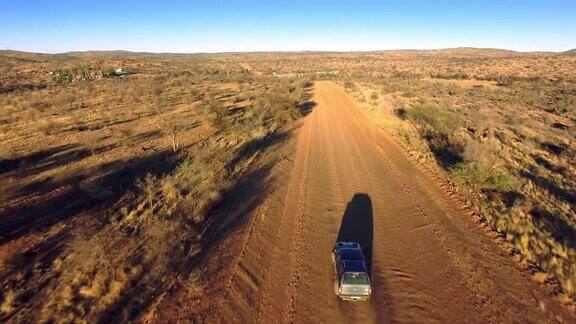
[217,26]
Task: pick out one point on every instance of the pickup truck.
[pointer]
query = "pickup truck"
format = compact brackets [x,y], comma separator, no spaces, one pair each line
[352,281]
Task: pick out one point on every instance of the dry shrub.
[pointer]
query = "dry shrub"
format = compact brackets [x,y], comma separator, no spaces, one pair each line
[49,126]
[534,232]
[482,152]
[139,255]
[350,85]
[41,105]
[170,191]
[95,280]
[8,302]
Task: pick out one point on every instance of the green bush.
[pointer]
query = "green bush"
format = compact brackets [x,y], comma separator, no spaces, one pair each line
[349,85]
[438,126]
[432,118]
[483,177]
[86,72]
[62,76]
[450,76]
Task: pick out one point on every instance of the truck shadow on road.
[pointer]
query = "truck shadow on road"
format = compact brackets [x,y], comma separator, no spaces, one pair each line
[358,225]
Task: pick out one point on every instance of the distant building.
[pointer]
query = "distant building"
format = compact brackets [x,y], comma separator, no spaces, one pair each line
[286,75]
[333,72]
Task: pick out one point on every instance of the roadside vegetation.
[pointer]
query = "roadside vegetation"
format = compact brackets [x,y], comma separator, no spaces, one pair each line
[109,179]
[505,140]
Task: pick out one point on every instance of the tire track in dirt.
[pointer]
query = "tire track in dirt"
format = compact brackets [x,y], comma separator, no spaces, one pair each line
[265,298]
[302,224]
[235,275]
[233,298]
[369,310]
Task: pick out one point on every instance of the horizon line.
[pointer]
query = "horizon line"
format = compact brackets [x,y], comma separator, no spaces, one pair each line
[289,51]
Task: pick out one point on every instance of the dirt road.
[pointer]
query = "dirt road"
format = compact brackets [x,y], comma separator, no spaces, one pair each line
[346,179]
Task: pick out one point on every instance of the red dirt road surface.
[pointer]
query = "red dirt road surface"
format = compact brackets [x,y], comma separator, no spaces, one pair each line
[344,178]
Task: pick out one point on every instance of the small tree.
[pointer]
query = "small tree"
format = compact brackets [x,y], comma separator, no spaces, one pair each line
[108,73]
[171,129]
[157,92]
[86,72]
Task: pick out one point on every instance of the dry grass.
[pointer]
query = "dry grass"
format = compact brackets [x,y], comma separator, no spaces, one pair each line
[510,148]
[108,182]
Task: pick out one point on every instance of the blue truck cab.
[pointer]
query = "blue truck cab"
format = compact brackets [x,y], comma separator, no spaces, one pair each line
[351,277]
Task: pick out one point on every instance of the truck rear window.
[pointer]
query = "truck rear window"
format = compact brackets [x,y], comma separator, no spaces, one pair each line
[355,278]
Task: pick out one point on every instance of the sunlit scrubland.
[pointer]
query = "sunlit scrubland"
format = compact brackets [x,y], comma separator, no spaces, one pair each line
[507,145]
[109,179]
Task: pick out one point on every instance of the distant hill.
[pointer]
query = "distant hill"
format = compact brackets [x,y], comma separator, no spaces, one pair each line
[31,57]
[10,59]
[459,52]
[118,53]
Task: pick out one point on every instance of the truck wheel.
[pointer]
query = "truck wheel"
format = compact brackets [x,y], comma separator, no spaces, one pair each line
[336,288]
